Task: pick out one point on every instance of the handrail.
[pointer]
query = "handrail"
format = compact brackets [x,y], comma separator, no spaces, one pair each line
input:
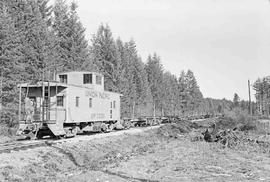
[47,115]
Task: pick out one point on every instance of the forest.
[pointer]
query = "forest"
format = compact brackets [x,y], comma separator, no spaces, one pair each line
[262,88]
[38,40]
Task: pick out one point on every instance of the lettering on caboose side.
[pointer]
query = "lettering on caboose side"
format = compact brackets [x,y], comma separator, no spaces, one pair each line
[97,116]
[95,94]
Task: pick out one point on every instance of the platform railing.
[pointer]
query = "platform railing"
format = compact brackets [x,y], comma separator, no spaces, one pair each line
[50,116]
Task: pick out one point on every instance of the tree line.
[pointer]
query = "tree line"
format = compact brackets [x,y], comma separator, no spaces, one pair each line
[38,40]
[262,95]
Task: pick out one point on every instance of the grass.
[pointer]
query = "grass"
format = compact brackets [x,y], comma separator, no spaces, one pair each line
[7,133]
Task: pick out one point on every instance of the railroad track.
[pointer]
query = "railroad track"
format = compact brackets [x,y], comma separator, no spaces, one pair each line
[30,144]
[20,145]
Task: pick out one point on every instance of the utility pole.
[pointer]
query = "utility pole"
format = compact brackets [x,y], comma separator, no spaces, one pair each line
[249,98]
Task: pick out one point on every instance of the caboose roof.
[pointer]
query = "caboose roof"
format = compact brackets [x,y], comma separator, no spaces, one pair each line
[54,84]
[39,84]
[87,72]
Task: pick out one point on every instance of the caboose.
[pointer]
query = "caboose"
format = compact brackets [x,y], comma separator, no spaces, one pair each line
[74,102]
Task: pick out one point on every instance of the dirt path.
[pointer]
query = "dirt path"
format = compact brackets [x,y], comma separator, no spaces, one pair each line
[136,156]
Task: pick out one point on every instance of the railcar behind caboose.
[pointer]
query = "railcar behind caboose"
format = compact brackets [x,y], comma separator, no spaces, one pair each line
[74,102]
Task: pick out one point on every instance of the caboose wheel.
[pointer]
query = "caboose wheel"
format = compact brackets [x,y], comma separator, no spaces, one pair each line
[74,131]
[70,132]
[104,128]
[30,136]
[39,135]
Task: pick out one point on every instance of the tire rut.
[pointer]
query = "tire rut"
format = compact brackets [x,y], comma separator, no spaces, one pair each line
[69,155]
[128,177]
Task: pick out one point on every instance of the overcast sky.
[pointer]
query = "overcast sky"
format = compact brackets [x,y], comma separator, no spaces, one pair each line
[224,42]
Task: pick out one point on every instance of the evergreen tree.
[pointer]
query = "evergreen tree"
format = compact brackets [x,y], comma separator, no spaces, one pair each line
[236,100]
[10,56]
[37,42]
[219,109]
[189,93]
[170,93]
[45,11]
[183,94]
[123,83]
[132,82]
[105,56]
[71,45]
[154,70]
[262,88]
[143,98]
[25,48]
[195,95]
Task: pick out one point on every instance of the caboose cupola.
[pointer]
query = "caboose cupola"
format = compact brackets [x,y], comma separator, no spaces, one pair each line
[79,78]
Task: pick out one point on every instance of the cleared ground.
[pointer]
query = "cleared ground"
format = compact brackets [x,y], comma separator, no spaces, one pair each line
[152,155]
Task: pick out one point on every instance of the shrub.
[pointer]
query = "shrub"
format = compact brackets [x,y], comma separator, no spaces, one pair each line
[238,119]
[7,131]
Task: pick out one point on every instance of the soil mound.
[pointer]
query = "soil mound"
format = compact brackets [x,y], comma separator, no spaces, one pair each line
[175,130]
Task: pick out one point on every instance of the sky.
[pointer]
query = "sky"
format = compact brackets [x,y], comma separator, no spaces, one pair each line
[224,42]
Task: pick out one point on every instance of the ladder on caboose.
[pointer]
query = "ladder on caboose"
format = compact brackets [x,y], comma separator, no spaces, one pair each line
[46,102]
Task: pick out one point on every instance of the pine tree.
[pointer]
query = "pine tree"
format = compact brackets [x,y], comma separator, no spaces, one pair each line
[183,94]
[71,45]
[105,56]
[143,98]
[262,88]
[134,84]
[154,70]
[45,11]
[195,95]
[37,43]
[132,81]
[189,93]
[236,100]
[219,109]
[10,55]
[123,83]
[25,47]
[170,98]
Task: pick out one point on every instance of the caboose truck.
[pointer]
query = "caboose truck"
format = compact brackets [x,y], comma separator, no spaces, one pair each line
[74,102]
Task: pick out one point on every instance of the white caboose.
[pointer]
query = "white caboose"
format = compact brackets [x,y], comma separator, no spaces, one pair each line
[74,102]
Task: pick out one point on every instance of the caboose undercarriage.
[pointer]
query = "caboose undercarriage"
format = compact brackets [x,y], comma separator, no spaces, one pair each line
[37,130]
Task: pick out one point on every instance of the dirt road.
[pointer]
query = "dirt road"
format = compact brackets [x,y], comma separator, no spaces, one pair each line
[136,156]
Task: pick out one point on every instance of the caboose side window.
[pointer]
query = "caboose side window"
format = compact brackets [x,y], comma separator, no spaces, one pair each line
[77,101]
[60,101]
[98,80]
[87,78]
[63,78]
[114,103]
[90,102]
